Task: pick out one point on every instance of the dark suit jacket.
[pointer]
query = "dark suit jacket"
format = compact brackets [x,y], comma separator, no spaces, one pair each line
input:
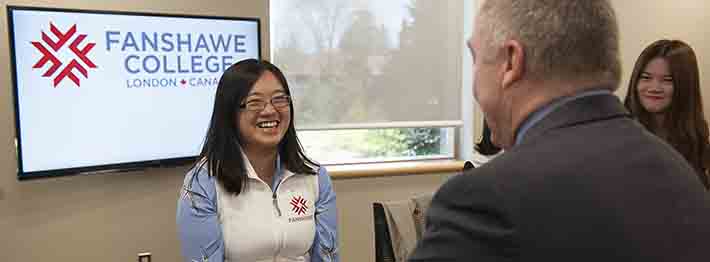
[587,183]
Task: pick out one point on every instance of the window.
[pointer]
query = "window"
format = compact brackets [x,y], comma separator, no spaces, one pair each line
[372,80]
[377,144]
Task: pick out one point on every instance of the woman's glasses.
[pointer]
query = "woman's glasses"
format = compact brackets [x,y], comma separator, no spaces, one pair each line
[278,102]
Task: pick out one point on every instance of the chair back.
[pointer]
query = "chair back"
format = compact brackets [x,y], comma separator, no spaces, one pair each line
[383,242]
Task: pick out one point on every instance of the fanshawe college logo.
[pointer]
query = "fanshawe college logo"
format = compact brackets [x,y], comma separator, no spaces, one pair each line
[299,210]
[298,205]
[63,41]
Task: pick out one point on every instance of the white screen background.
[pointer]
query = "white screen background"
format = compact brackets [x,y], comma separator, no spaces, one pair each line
[103,121]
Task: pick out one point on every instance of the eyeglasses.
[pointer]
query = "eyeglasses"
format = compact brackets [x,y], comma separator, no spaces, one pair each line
[278,102]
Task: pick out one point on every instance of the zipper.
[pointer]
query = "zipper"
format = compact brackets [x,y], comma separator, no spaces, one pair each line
[279,232]
[277,222]
[274,197]
[276,205]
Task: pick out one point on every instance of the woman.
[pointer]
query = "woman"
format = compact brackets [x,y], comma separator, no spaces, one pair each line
[485,149]
[254,195]
[664,95]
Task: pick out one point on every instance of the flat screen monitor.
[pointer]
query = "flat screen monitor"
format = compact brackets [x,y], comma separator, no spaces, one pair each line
[104,90]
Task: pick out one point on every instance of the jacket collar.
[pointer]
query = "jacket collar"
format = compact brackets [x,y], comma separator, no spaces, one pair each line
[579,111]
[251,173]
[279,174]
[543,111]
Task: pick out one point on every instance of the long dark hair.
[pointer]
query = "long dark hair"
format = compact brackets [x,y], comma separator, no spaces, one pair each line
[221,151]
[486,146]
[684,119]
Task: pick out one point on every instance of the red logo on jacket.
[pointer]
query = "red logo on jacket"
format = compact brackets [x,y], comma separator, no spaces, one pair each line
[49,49]
[298,205]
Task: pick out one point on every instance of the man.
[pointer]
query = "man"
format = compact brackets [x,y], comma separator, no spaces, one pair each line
[580,180]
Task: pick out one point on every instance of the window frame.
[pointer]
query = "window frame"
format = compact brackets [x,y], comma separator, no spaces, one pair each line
[463,133]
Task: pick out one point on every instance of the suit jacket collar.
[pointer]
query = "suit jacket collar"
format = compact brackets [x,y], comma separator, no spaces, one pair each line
[579,111]
[543,111]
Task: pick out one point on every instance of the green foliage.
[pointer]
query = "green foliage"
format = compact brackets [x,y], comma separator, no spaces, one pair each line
[391,142]
[422,141]
[385,143]
[402,142]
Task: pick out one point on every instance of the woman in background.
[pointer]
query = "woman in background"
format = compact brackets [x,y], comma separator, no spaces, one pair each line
[485,149]
[253,195]
[664,95]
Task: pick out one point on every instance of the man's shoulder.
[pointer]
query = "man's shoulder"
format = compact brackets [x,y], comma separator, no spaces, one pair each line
[482,181]
[591,153]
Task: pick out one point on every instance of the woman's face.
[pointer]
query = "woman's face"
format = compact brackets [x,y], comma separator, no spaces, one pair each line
[264,115]
[655,86]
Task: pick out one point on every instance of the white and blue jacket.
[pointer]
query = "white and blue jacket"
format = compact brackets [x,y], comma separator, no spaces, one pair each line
[293,220]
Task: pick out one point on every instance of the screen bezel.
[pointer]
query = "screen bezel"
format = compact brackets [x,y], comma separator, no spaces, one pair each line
[111,167]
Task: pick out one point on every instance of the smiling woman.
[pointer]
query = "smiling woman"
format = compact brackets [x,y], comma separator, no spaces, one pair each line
[262,124]
[664,95]
[254,195]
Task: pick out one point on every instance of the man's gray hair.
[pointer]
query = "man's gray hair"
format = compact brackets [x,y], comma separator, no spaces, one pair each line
[563,39]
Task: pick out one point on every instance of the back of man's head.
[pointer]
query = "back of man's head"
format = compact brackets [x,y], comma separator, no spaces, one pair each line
[562,39]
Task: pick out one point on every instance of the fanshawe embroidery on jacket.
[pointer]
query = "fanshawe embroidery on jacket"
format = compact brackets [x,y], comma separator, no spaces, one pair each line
[299,219]
[299,209]
[299,205]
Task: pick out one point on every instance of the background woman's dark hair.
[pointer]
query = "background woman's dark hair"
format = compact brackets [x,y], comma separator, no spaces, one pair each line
[486,146]
[221,151]
[684,119]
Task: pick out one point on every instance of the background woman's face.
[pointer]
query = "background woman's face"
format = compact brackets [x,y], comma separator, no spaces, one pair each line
[264,129]
[655,86]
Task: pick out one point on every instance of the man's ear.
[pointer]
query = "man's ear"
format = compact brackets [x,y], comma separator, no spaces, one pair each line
[514,66]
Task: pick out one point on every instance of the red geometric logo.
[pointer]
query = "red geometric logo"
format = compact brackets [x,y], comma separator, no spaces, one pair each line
[298,205]
[66,68]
